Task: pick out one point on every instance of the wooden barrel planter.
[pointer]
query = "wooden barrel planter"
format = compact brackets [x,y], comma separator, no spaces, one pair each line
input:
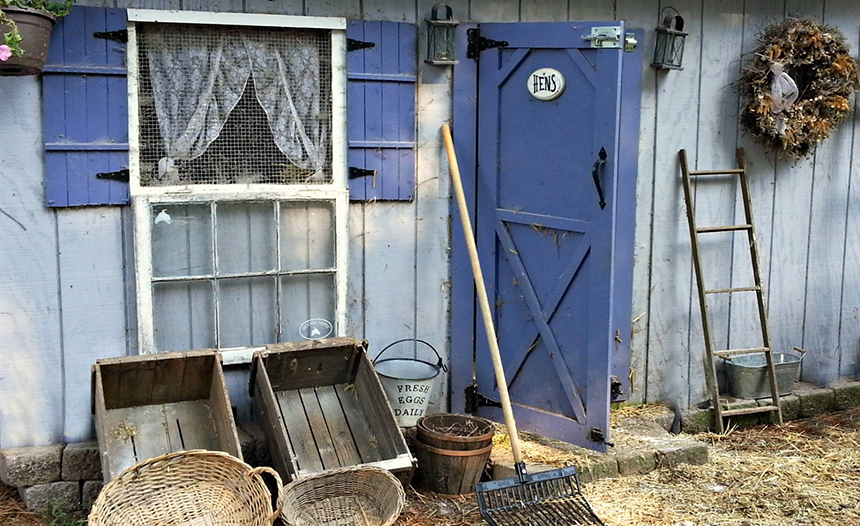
[456,432]
[453,451]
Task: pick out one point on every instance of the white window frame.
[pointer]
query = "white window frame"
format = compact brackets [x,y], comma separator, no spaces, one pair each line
[143,197]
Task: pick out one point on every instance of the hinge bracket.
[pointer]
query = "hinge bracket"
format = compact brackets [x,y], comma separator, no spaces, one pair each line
[119,175]
[478,43]
[474,400]
[597,435]
[355,173]
[354,45]
[120,35]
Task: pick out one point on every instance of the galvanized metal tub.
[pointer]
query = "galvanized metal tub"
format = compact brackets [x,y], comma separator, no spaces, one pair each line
[746,375]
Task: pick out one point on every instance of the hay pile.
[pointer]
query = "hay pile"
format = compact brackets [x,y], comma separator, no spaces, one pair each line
[12,512]
[803,473]
[818,59]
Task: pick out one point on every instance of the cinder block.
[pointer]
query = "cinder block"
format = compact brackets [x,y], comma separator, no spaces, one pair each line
[689,452]
[636,463]
[598,469]
[45,499]
[743,421]
[697,421]
[82,462]
[790,406]
[90,493]
[847,395]
[28,466]
[816,402]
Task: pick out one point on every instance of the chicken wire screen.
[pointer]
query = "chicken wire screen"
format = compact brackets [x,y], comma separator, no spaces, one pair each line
[233,105]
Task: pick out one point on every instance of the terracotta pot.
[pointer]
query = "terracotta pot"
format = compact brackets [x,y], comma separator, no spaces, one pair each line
[35,27]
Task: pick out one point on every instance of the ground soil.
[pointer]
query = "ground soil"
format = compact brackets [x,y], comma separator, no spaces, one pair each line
[805,472]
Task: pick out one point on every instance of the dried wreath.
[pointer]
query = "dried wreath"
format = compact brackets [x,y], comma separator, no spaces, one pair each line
[796,86]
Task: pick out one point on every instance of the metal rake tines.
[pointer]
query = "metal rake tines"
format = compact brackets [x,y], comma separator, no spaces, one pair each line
[554,501]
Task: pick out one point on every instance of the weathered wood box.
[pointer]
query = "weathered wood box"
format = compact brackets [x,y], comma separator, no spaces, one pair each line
[322,407]
[153,404]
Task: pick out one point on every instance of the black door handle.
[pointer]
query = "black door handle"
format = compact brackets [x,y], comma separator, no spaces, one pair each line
[595,174]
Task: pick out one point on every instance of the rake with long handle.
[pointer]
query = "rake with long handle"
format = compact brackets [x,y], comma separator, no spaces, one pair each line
[550,497]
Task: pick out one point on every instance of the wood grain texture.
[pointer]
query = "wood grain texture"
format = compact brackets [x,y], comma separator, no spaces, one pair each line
[30,324]
[671,357]
[639,13]
[496,11]
[598,10]
[542,11]
[285,7]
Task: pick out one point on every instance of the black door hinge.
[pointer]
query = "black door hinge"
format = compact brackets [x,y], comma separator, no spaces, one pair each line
[355,173]
[597,435]
[119,175]
[354,45]
[474,400]
[478,43]
[120,35]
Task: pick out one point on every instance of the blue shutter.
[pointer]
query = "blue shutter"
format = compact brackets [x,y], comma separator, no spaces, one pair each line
[381,109]
[85,101]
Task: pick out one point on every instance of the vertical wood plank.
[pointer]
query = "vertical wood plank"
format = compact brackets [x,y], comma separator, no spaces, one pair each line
[344,8]
[393,10]
[32,408]
[92,304]
[716,198]
[599,10]
[639,13]
[496,11]
[299,431]
[335,419]
[217,6]
[671,358]
[827,239]
[281,7]
[149,4]
[542,11]
[319,429]
[365,437]
[790,249]
[761,167]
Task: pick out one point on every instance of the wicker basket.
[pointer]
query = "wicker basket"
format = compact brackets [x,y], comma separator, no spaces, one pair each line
[188,488]
[353,496]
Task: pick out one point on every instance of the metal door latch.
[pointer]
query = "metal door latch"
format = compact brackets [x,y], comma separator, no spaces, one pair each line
[630,42]
[604,37]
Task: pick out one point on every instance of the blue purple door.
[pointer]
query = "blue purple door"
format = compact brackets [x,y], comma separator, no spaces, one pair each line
[550,226]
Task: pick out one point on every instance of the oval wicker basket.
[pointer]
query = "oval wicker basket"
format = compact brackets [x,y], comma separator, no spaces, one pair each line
[188,488]
[357,495]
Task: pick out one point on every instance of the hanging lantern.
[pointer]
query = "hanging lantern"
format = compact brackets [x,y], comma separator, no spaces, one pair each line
[669,51]
[441,34]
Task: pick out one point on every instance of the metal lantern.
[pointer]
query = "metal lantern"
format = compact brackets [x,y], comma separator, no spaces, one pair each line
[441,36]
[669,50]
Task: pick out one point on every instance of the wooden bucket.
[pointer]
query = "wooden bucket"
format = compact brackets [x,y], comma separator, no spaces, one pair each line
[429,434]
[451,472]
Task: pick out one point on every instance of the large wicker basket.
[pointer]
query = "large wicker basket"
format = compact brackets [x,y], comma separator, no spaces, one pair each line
[188,488]
[353,496]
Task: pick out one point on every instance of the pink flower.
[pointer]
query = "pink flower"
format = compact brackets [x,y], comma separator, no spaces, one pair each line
[5,52]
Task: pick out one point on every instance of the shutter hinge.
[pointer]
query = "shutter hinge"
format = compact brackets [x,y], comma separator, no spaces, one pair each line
[355,173]
[474,400]
[120,35]
[478,43]
[119,175]
[354,45]
[597,435]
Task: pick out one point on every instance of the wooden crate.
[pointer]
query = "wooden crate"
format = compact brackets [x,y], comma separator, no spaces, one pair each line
[322,407]
[153,404]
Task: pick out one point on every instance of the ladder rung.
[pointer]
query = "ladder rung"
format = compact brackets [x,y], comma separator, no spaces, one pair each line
[734,352]
[750,410]
[735,289]
[728,228]
[730,171]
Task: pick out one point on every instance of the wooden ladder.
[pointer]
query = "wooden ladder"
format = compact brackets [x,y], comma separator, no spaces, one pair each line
[710,368]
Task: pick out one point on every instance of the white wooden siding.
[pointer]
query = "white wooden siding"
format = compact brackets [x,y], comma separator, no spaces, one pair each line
[67,289]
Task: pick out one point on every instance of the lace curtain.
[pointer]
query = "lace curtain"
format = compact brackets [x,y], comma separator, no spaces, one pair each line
[198,75]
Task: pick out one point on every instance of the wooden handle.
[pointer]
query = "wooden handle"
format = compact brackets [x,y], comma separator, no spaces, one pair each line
[482,296]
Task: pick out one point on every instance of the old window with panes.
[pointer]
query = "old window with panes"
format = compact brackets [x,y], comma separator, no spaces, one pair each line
[237,179]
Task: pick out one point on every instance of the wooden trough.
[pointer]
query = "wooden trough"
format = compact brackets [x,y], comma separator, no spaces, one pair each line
[322,407]
[154,404]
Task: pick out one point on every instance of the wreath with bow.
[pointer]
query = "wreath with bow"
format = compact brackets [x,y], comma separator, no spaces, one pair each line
[796,86]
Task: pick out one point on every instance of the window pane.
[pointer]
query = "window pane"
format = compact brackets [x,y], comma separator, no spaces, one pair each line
[181,240]
[247,239]
[307,235]
[183,315]
[249,314]
[305,297]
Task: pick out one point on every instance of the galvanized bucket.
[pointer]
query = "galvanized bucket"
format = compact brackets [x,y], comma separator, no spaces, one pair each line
[408,383]
[747,375]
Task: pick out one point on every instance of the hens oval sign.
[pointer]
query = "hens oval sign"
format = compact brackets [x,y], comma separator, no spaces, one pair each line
[546,84]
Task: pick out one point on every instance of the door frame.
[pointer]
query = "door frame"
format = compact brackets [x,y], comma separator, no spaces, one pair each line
[463,294]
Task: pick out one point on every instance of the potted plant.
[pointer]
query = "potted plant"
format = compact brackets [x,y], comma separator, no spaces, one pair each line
[25,26]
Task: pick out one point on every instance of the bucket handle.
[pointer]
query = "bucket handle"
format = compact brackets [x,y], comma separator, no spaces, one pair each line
[439,364]
[802,352]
